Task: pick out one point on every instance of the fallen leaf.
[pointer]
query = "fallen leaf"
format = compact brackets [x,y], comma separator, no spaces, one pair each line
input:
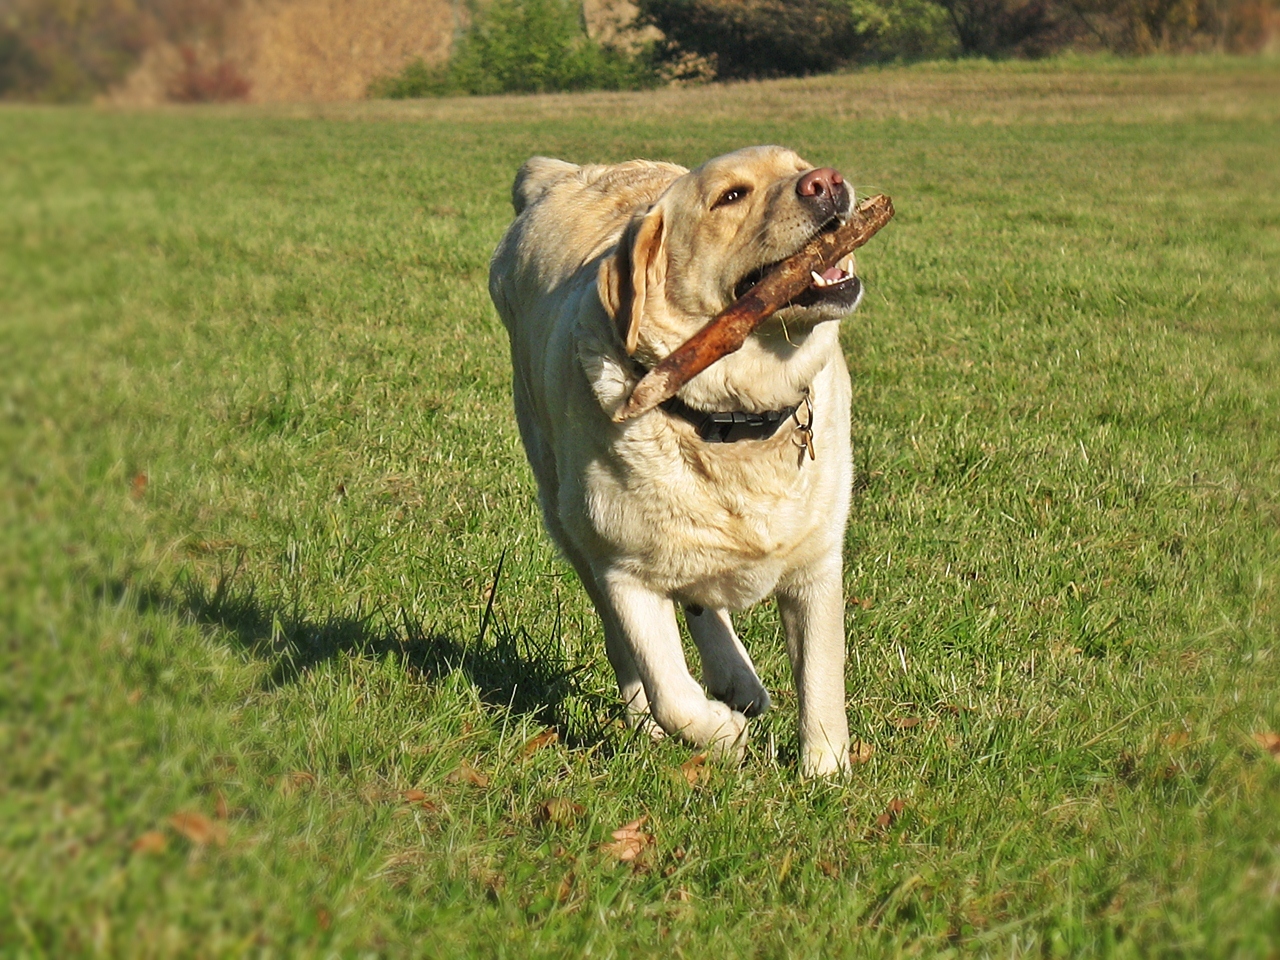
[466,773]
[220,808]
[886,819]
[324,919]
[419,797]
[629,841]
[906,723]
[1269,742]
[534,744]
[198,828]
[565,887]
[1177,739]
[866,603]
[632,829]
[296,780]
[860,751]
[558,811]
[153,841]
[139,486]
[695,769]
[829,868]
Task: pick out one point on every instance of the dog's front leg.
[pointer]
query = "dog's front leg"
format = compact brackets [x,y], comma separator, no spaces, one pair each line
[615,642]
[812,608]
[676,700]
[727,669]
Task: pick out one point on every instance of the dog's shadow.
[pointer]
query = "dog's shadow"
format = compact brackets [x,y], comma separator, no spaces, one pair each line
[511,669]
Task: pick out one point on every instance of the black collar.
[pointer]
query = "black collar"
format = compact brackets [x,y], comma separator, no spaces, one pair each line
[730,426]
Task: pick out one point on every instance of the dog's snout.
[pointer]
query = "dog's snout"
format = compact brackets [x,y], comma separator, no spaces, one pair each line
[822,182]
[825,193]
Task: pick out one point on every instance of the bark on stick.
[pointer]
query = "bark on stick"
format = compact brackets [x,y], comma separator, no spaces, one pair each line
[729,330]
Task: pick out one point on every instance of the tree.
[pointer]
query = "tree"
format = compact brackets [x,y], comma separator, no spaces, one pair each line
[757,38]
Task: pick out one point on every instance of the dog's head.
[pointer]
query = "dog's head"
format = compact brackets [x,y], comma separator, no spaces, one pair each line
[711,235]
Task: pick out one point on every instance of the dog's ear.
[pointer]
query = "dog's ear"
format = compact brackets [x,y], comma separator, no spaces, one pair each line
[535,176]
[635,276]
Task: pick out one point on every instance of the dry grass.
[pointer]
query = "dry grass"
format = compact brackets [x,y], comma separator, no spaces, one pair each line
[1061,91]
[333,49]
[325,51]
[308,50]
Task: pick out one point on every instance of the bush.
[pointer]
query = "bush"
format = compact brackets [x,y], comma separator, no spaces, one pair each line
[904,30]
[197,82]
[522,46]
[74,49]
[995,28]
[756,38]
[21,72]
[1145,26]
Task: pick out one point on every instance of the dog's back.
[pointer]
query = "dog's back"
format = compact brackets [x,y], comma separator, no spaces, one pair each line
[566,217]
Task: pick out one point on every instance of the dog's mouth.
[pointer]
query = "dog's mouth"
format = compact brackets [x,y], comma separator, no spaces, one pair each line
[836,286]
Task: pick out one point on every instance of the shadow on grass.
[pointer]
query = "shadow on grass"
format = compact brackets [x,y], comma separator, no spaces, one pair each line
[511,669]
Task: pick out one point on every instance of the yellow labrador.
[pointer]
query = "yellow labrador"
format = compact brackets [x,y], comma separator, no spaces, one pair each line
[736,489]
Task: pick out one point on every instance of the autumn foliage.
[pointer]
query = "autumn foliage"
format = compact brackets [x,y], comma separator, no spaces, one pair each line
[198,50]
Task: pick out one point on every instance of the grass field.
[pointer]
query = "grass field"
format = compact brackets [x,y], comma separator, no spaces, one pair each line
[258,694]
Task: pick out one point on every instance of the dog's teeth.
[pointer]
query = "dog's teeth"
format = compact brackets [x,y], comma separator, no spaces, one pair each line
[817,279]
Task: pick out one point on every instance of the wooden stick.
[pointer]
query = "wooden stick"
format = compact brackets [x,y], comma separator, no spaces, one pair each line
[729,330]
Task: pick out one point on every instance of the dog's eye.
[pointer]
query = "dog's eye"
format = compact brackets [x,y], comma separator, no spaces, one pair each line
[732,195]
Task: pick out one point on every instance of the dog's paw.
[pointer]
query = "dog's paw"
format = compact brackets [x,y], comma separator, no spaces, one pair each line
[728,739]
[823,762]
[642,722]
[742,691]
[709,724]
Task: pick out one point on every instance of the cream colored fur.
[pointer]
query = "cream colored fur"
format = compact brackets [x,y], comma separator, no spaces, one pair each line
[641,254]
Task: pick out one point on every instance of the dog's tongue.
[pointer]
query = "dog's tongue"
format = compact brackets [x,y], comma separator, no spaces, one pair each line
[832,274]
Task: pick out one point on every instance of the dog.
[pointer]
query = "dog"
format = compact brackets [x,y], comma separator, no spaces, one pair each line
[738,487]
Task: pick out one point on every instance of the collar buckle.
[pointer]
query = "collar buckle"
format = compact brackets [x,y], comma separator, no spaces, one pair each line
[805,427]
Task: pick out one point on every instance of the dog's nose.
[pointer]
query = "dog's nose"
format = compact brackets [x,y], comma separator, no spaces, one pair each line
[822,182]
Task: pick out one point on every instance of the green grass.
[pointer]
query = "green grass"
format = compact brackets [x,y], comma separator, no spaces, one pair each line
[259,471]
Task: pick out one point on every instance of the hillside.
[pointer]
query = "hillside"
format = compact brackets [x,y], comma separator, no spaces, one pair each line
[273,51]
[288,50]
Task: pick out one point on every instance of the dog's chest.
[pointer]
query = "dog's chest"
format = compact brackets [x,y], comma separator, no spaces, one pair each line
[715,524]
